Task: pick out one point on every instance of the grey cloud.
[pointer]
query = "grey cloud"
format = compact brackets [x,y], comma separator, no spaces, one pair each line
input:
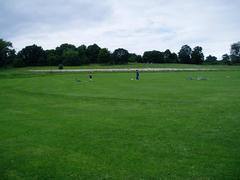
[137,25]
[19,16]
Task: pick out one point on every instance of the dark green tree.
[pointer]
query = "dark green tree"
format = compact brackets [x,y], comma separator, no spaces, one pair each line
[18,63]
[53,59]
[92,53]
[211,60]
[226,59]
[184,54]
[197,56]
[120,56]
[63,47]
[235,53]
[71,58]
[33,56]
[60,50]
[7,54]
[104,56]
[153,57]
[82,52]
[173,58]
[167,56]
[132,58]
[139,59]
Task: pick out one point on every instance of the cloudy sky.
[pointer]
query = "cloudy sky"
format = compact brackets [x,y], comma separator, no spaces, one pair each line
[137,25]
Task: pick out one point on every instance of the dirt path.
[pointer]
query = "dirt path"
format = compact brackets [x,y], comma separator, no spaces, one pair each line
[124,70]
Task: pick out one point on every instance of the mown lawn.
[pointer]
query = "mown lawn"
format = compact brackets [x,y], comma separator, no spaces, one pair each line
[63,126]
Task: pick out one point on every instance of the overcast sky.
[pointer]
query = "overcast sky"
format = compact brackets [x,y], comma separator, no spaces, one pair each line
[137,25]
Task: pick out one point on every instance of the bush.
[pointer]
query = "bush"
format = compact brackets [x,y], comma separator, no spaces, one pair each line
[60,66]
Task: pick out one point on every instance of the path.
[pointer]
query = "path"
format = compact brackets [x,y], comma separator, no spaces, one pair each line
[124,70]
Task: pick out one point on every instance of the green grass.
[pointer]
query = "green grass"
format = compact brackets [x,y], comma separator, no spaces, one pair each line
[62,126]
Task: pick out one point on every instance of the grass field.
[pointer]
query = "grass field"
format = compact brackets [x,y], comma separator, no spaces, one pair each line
[63,126]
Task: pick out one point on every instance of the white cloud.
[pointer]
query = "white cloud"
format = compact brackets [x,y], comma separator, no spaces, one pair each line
[136,25]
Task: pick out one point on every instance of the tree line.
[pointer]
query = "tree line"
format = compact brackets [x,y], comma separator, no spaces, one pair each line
[70,55]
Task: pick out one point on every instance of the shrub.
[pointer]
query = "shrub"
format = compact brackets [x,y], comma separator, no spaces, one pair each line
[60,66]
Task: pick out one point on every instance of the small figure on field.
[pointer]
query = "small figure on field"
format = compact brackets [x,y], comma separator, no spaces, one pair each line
[137,75]
[90,76]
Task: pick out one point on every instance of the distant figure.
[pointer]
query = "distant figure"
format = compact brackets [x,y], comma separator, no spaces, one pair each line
[137,75]
[90,76]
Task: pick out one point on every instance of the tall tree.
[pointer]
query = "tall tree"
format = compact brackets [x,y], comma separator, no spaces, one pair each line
[71,58]
[173,58]
[197,56]
[82,52]
[60,50]
[33,56]
[225,59]
[153,57]
[7,54]
[211,60]
[104,56]
[170,57]
[133,58]
[63,47]
[92,53]
[184,54]
[53,59]
[139,59]
[167,56]
[120,56]
[235,52]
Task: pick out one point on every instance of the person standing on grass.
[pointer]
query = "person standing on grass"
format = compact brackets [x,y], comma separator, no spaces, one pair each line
[90,76]
[137,75]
